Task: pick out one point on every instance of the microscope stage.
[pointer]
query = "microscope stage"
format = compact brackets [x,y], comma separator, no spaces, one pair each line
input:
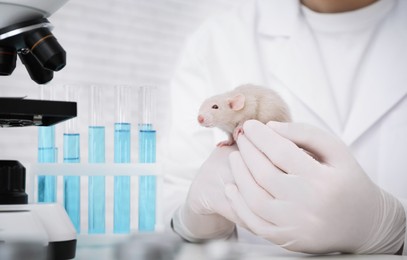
[16,112]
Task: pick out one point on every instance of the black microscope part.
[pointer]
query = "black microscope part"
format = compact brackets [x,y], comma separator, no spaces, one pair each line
[35,70]
[8,57]
[38,49]
[16,112]
[12,183]
[45,47]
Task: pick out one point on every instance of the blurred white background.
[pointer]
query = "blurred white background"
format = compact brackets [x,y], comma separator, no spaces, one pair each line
[110,42]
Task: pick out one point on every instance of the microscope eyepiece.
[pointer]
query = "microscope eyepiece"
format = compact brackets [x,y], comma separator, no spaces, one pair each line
[8,57]
[45,47]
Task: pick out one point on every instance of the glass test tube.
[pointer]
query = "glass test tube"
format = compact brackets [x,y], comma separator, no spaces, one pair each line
[147,154]
[96,154]
[47,153]
[122,128]
[72,155]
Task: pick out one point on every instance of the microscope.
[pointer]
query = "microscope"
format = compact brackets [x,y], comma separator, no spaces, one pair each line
[31,231]
[26,32]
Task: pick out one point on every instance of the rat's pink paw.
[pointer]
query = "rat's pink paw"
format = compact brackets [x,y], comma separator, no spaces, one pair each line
[225,143]
[238,130]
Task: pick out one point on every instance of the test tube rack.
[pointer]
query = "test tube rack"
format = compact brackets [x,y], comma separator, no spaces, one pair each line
[109,170]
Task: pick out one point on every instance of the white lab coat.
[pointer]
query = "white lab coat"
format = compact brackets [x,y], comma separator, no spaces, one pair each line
[267,42]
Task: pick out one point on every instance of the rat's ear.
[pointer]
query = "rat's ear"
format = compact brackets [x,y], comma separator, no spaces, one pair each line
[237,102]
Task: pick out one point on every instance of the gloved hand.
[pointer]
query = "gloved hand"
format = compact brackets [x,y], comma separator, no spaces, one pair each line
[207,214]
[314,204]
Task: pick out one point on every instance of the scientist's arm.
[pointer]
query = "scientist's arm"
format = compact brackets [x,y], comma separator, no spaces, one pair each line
[315,204]
[206,213]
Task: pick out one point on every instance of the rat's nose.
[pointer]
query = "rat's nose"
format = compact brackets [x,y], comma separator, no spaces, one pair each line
[201,119]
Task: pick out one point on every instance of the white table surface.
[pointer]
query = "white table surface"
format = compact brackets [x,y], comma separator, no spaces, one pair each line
[103,248]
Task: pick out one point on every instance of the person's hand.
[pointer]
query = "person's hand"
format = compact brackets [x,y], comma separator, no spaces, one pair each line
[314,204]
[207,214]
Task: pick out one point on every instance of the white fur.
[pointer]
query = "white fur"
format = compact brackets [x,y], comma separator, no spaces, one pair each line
[261,103]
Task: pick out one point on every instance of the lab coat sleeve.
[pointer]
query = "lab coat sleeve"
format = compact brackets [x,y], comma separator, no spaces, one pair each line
[187,144]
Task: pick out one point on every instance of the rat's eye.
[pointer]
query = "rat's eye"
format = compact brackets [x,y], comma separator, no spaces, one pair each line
[215,107]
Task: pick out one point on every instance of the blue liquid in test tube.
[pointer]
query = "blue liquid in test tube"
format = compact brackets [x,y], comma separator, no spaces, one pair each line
[72,183]
[147,184]
[147,154]
[71,154]
[96,154]
[96,183]
[121,217]
[46,154]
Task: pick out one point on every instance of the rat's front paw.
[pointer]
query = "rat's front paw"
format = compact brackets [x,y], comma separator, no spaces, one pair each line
[225,143]
[238,130]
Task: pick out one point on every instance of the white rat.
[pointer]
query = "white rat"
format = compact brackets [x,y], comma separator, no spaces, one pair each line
[228,111]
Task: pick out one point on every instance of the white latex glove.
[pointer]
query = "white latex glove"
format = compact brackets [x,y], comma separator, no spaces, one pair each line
[322,205]
[207,214]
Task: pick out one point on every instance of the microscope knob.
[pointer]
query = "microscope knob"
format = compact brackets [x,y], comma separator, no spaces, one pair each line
[12,183]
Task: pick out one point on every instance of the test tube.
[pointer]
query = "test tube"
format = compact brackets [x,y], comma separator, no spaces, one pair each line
[122,129]
[96,154]
[72,155]
[46,154]
[147,154]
